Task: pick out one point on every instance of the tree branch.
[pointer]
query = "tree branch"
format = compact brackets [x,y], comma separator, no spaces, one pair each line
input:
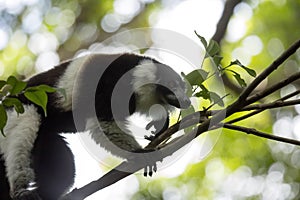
[276,104]
[224,20]
[255,132]
[261,110]
[273,88]
[284,56]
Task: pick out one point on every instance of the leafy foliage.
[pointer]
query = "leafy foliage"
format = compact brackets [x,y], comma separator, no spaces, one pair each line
[197,78]
[12,89]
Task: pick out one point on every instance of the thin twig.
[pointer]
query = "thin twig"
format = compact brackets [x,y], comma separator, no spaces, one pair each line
[251,114]
[253,131]
[276,104]
[283,57]
[273,88]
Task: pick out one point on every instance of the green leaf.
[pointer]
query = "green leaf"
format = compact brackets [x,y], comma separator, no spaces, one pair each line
[3,118]
[202,39]
[45,88]
[196,77]
[215,98]
[239,79]
[6,89]
[17,86]
[217,60]
[39,98]
[251,72]
[2,83]
[204,93]
[212,49]
[14,102]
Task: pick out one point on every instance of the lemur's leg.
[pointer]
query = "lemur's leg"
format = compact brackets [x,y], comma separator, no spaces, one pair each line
[4,186]
[117,139]
[53,163]
[21,131]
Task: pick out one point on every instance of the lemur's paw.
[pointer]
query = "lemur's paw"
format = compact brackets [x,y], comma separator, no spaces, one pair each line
[24,194]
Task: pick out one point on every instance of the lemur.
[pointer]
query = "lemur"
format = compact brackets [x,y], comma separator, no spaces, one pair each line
[101,92]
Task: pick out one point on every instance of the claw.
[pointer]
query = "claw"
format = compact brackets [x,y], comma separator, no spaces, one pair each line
[150,138]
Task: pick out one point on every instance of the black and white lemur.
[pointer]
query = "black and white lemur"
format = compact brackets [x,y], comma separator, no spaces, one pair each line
[36,162]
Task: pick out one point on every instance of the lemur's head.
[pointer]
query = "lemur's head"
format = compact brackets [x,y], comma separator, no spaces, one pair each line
[152,77]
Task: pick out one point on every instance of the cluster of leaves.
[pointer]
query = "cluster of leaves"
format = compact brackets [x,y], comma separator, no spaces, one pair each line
[197,77]
[10,91]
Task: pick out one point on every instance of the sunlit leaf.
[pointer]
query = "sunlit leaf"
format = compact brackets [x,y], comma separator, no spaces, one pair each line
[202,39]
[17,86]
[217,60]
[39,98]
[212,49]
[251,72]
[2,83]
[204,93]
[196,77]
[14,102]
[6,90]
[215,98]
[239,79]
[45,88]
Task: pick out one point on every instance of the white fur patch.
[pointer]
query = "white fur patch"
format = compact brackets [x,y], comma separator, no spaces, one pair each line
[144,73]
[67,82]
[21,132]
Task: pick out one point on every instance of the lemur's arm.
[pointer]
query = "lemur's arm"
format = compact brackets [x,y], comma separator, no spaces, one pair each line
[114,137]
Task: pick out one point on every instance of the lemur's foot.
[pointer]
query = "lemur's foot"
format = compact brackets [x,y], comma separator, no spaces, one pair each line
[150,138]
[148,170]
[150,159]
[25,194]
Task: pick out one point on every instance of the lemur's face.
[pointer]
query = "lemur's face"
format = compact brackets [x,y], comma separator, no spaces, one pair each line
[174,94]
[171,88]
